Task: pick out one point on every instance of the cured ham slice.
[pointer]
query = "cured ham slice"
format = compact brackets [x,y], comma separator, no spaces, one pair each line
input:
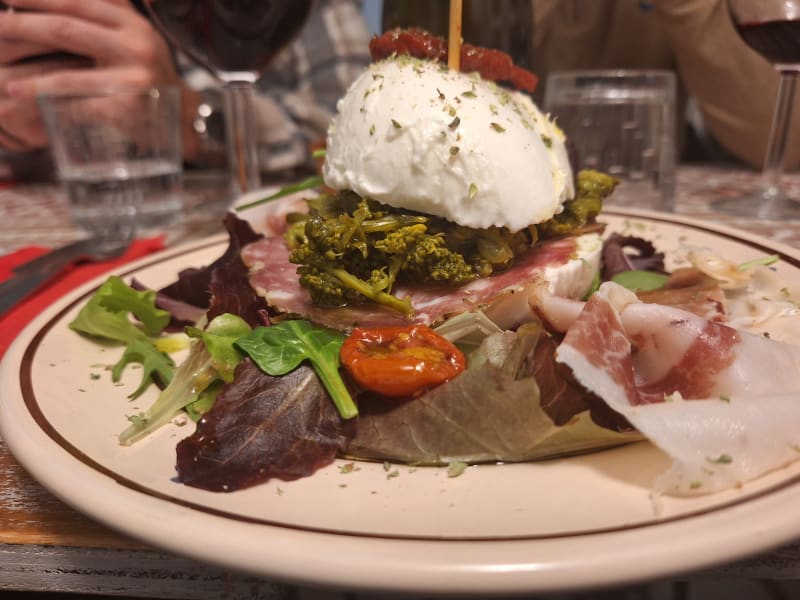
[699,296]
[690,290]
[722,403]
[275,278]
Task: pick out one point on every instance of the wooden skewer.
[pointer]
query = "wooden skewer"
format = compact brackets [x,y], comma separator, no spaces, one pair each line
[454,39]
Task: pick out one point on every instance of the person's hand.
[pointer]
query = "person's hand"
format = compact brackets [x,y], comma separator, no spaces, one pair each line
[20,125]
[72,46]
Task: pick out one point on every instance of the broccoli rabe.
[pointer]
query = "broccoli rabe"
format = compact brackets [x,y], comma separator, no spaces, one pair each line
[431,260]
[592,187]
[350,248]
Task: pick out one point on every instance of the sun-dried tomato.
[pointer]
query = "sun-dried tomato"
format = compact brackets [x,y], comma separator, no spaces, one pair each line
[492,65]
[400,361]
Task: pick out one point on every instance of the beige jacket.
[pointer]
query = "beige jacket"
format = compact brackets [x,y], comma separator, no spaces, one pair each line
[734,88]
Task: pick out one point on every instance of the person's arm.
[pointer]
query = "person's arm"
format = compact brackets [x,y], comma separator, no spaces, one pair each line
[734,87]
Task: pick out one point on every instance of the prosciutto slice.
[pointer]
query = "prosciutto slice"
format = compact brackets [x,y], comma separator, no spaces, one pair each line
[722,403]
[275,278]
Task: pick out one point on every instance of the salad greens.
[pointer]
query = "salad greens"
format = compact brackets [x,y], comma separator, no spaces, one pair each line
[275,418]
[106,313]
[641,281]
[107,316]
[764,261]
[212,357]
[205,401]
[156,366]
[260,428]
[214,353]
[452,423]
[281,348]
[307,184]
[219,338]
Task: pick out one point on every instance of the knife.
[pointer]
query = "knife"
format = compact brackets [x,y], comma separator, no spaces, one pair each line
[20,287]
[34,274]
[68,252]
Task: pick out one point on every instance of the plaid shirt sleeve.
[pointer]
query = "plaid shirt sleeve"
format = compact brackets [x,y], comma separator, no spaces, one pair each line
[297,96]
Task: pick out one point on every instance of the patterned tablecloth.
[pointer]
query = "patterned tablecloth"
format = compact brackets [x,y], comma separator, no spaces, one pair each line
[39,213]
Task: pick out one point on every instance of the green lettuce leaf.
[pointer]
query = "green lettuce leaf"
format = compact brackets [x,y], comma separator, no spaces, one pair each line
[156,365]
[644,281]
[281,348]
[107,315]
[219,339]
[202,367]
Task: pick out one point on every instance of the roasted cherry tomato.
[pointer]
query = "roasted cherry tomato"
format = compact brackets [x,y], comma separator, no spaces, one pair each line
[400,361]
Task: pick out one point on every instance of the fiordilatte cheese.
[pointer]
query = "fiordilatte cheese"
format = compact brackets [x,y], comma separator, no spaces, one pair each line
[412,134]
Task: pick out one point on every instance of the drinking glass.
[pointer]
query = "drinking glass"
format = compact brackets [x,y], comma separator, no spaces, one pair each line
[622,122]
[771,28]
[235,40]
[118,157]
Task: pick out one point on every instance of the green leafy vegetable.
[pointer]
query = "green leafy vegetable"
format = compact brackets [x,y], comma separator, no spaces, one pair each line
[157,366]
[456,468]
[116,296]
[306,184]
[204,402]
[763,261]
[467,330]
[171,343]
[592,189]
[644,281]
[209,360]
[281,348]
[219,339]
[596,281]
[352,249]
[106,315]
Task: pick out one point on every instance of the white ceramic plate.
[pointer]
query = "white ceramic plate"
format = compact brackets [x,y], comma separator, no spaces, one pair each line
[548,526]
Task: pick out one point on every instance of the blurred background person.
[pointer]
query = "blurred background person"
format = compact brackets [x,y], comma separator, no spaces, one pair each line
[50,45]
[726,91]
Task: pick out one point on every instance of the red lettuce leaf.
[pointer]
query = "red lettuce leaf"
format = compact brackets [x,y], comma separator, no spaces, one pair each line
[562,397]
[231,292]
[263,427]
[182,313]
[628,253]
[194,285]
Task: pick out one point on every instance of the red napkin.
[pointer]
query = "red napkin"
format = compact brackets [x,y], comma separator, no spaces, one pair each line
[15,320]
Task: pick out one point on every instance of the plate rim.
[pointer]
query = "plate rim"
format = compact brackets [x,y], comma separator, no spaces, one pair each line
[531,570]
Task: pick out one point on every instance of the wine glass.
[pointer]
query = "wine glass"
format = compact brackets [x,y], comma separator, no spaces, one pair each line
[771,28]
[235,40]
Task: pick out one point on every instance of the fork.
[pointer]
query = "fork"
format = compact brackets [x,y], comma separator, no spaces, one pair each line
[35,274]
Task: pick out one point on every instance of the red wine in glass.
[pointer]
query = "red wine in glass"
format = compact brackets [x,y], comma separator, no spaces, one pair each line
[777,41]
[236,40]
[771,28]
